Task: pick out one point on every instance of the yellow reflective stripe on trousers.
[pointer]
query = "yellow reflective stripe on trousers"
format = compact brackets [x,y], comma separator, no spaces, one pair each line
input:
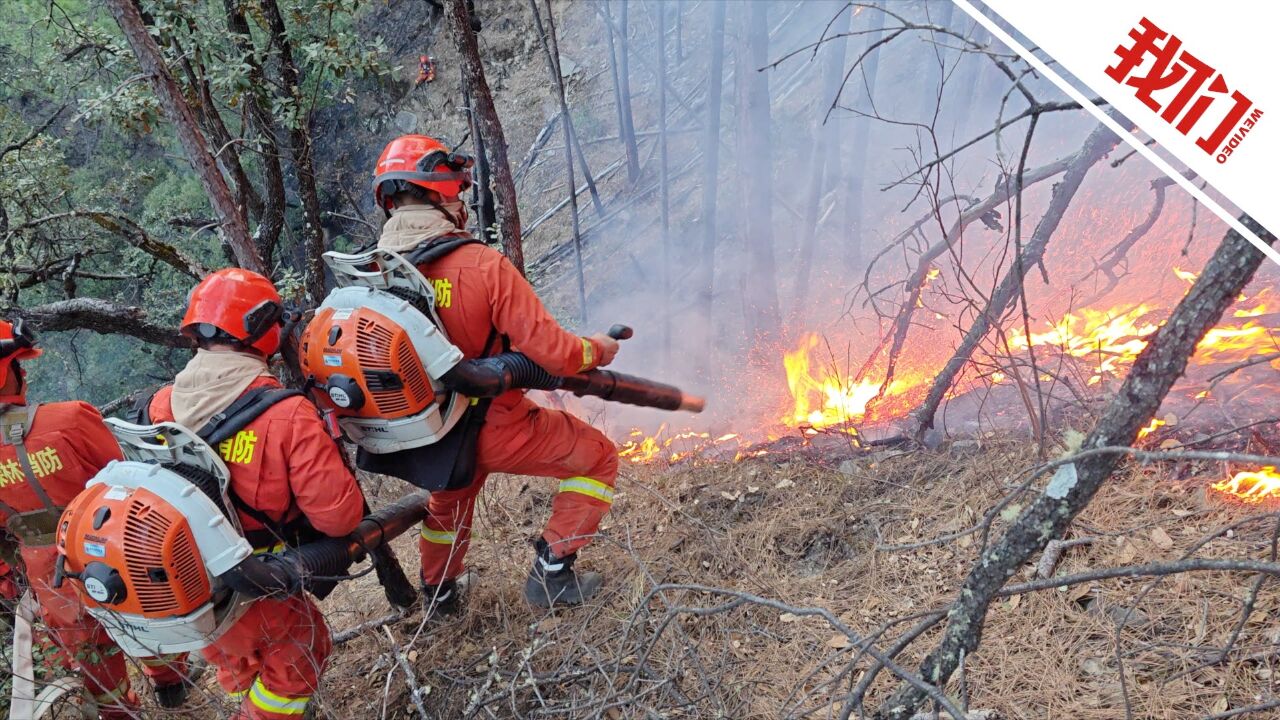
[264,699]
[162,661]
[588,354]
[588,487]
[112,696]
[439,537]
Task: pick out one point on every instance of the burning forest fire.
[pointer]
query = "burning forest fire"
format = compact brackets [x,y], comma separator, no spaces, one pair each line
[1252,486]
[1100,344]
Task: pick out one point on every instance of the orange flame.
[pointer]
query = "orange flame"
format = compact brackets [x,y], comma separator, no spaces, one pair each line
[827,400]
[1252,487]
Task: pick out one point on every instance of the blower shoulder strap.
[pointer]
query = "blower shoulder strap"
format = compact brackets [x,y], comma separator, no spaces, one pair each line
[247,408]
[243,411]
[435,249]
[140,414]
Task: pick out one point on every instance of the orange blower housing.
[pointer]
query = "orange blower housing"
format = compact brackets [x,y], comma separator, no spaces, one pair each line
[134,553]
[375,351]
[151,543]
[367,364]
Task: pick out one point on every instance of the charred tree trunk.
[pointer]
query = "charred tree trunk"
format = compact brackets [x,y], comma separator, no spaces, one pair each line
[1100,142]
[551,48]
[547,43]
[483,188]
[824,143]
[303,157]
[755,166]
[664,192]
[628,130]
[495,142]
[1159,365]
[233,229]
[711,172]
[858,162]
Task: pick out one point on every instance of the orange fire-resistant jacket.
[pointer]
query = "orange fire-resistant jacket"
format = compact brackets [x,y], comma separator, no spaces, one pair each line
[477,289]
[285,464]
[67,444]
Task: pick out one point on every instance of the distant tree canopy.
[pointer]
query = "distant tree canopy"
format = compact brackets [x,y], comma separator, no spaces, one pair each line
[98,200]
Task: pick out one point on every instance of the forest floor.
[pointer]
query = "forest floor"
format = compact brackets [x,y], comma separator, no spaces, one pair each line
[807,535]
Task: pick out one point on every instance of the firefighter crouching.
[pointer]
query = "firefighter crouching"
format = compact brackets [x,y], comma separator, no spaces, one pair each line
[288,481]
[47,454]
[486,307]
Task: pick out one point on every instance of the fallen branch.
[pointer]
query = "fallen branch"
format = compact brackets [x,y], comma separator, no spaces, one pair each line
[1053,553]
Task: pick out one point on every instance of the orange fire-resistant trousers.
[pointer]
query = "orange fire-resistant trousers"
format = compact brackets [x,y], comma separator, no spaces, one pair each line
[272,657]
[82,644]
[526,440]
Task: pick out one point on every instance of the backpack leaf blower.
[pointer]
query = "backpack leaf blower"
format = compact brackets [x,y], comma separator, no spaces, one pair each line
[378,358]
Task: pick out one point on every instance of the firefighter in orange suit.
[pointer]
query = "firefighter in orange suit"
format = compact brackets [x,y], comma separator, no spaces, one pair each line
[287,480]
[486,305]
[47,454]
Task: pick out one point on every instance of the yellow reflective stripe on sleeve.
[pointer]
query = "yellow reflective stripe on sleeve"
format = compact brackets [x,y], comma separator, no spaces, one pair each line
[588,354]
[588,487]
[278,547]
[238,695]
[264,699]
[439,537]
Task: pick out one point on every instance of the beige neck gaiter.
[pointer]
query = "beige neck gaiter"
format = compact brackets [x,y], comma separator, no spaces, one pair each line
[412,225]
[211,382]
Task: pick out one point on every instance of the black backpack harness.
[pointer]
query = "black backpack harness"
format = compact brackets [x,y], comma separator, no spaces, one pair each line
[223,426]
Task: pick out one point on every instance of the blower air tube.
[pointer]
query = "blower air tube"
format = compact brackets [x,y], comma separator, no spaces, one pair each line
[490,377]
[290,571]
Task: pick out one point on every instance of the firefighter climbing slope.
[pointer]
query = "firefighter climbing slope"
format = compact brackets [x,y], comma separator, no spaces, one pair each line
[288,483]
[486,307]
[47,454]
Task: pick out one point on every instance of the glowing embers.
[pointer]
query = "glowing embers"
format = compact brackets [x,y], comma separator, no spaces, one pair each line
[664,446]
[1252,486]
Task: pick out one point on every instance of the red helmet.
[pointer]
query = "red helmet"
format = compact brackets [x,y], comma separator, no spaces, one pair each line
[238,306]
[16,343]
[422,161]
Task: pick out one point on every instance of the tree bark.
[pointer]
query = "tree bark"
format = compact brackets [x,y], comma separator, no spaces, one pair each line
[303,157]
[1100,142]
[233,228]
[271,220]
[711,173]
[755,160]
[483,188]
[495,141]
[1159,365]
[824,144]
[101,316]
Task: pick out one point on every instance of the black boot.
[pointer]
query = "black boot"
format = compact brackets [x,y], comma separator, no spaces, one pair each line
[443,599]
[172,696]
[175,695]
[552,581]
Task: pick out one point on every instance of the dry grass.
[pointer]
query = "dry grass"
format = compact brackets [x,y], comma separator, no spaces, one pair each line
[806,535]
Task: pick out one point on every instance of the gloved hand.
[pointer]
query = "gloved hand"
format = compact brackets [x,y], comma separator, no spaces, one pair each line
[608,348]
